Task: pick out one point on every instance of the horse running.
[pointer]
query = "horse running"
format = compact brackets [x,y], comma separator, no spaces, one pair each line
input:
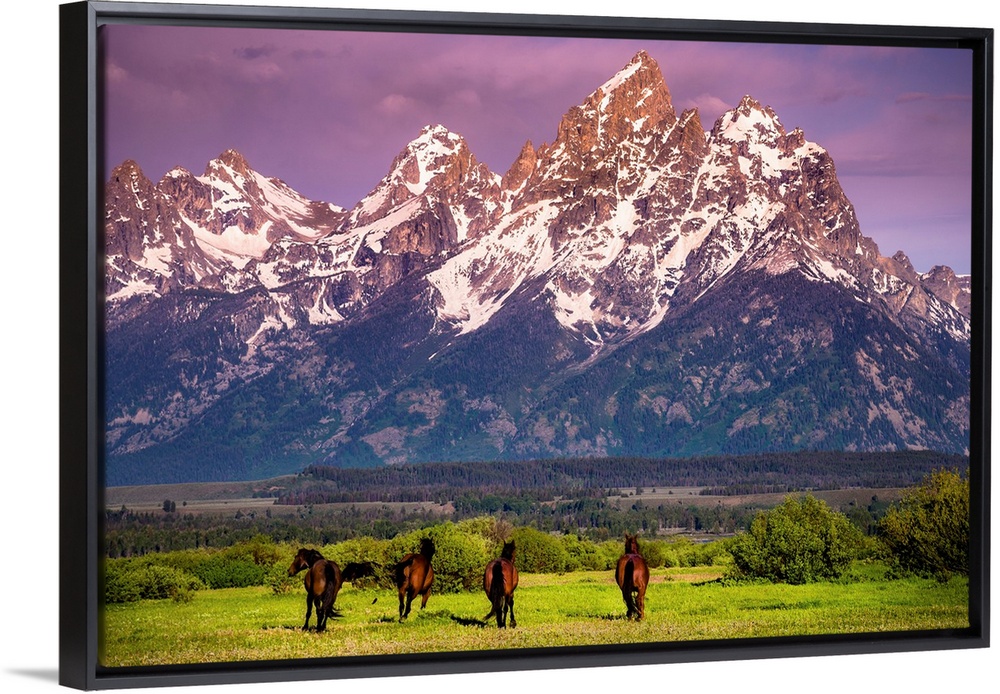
[322,581]
[499,582]
[632,576]
[414,576]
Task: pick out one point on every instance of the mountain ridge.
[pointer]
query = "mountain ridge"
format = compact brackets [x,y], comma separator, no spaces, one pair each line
[443,314]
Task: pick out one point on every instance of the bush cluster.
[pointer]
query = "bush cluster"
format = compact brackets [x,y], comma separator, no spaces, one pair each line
[131,581]
[800,541]
[927,532]
[177,574]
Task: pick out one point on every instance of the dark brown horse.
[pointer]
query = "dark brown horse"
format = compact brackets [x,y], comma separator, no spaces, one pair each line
[322,581]
[414,576]
[632,576]
[499,582]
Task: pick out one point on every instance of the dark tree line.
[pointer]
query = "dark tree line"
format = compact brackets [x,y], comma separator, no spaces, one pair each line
[591,477]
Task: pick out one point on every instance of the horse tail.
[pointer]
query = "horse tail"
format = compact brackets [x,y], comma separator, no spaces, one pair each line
[497,588]
[628,580]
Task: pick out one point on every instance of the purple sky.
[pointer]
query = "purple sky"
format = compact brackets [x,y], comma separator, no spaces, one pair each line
[327,111]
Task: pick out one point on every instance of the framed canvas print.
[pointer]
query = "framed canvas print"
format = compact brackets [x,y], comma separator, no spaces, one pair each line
[402,342]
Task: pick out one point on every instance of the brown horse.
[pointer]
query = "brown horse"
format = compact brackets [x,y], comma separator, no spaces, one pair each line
[322,581]
[632,575]
[414,576]
[499,582]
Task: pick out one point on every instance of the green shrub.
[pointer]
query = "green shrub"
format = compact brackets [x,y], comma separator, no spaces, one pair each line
[121,583]
[221,571]
[927,532]
[585,555]
[182,594]
[610,550]
[656,553]
[261,550]
[708,553]
[682,552]
[131,580]
[800,541]
[459,559]
[538,552]
[280,582]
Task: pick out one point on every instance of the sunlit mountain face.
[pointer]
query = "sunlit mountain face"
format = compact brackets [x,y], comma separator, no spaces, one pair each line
[642,285]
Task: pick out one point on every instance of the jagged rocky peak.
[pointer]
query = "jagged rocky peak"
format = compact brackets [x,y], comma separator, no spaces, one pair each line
[608,142]
[437,162]
[128,192]
[628,107]
[635,93]
[232,167]
[127,189]
[230,160]
[128,170]
[942,282]
[129,211]
[178,175]
[437,158]
[751,122]
[521,169]
[906,269]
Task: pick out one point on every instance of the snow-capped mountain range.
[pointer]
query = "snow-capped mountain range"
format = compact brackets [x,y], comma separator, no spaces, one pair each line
[638,286]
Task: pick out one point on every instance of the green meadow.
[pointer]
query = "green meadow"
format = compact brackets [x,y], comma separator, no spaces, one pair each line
[569,609]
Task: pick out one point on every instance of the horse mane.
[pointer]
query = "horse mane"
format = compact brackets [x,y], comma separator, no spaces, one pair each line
[631,544]
[311,556]
[508,551]
[427,548]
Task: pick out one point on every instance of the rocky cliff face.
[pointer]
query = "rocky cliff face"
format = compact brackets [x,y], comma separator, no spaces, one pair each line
[637,286]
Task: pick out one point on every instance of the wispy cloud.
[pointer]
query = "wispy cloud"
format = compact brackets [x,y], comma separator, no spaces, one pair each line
[255,52]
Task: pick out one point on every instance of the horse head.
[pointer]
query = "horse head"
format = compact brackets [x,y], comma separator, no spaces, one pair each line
[508,551]
[631,544]
[304,559]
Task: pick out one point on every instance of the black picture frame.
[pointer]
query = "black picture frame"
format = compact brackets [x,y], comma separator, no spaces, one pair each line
[81,336]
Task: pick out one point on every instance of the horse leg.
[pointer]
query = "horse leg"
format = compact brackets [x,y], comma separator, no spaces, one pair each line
[402,604]
[333,601]
[641,604]
[496,601]
[627,597]
[323,605]
[323,609]
[510,602]
[423,601]
[320,617]
[410,594]
[309,609]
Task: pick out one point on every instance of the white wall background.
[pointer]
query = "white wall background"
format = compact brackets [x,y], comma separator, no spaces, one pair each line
[29,350]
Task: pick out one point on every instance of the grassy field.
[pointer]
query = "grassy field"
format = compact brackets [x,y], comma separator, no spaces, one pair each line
[580,608]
